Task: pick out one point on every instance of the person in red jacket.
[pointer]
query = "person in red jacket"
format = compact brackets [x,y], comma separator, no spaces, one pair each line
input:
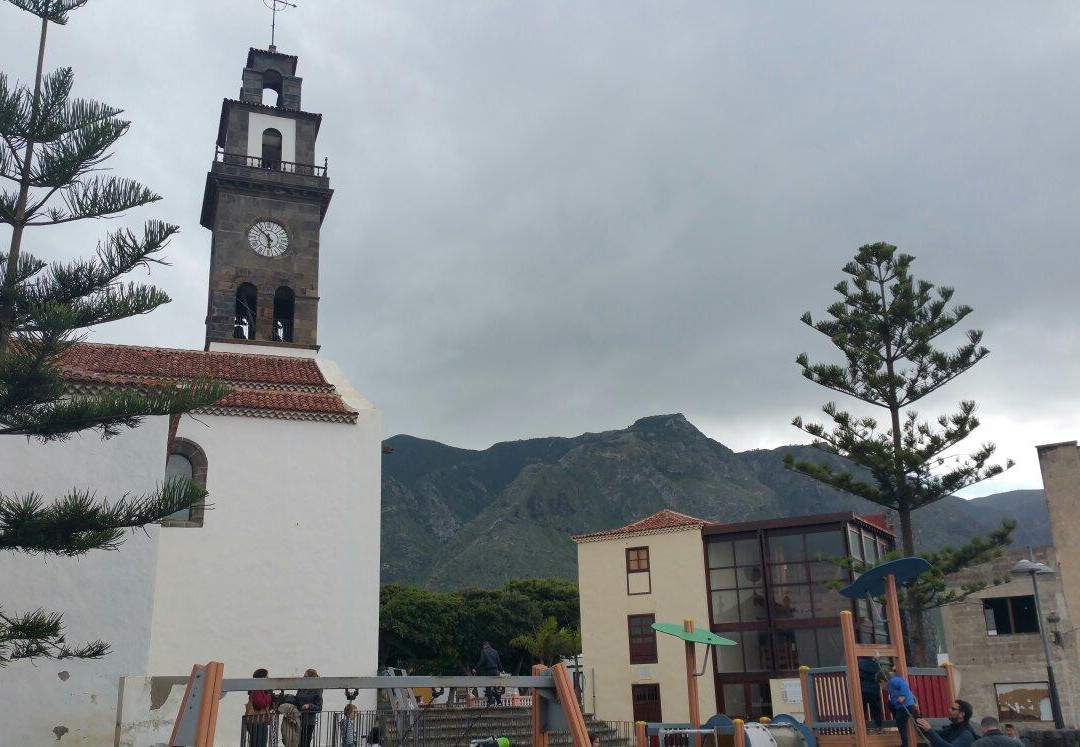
[257,713]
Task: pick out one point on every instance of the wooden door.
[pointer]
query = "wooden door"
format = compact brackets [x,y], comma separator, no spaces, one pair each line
[646,702]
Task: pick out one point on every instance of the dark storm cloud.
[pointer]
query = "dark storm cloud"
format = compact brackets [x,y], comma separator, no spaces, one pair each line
[559,217]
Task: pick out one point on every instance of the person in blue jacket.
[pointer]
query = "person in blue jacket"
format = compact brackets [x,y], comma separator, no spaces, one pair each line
[903,705]
[958,732]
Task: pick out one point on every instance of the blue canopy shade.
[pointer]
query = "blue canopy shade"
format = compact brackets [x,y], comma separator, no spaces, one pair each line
[872,582]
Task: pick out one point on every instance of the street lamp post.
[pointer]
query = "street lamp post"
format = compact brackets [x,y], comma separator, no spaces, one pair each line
[1030,567]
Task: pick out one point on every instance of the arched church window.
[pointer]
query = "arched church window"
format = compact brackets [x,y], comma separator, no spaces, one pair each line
[271,149]
[246,301]
[186,461]
[284,309]
[271,93]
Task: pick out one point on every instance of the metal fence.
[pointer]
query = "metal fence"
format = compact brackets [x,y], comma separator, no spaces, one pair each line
[424,726]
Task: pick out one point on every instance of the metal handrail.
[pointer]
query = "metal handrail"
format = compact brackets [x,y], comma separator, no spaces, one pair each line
[268,164]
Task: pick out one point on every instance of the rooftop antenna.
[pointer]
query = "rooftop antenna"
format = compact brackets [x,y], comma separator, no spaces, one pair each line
[275,6]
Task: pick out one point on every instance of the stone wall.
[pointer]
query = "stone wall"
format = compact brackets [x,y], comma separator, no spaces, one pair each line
[1060,465]
[984,660]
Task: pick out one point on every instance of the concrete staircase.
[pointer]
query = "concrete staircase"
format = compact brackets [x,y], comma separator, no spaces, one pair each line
[456,727]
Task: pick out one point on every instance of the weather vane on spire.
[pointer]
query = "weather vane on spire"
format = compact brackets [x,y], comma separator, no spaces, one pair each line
[275,6]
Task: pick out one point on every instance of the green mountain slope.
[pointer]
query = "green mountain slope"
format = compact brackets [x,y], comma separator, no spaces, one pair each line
[457,517]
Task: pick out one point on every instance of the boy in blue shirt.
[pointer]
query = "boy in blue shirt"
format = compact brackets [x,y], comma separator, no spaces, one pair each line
[903,705]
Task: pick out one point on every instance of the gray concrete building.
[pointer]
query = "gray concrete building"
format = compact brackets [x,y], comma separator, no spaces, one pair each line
[993,640]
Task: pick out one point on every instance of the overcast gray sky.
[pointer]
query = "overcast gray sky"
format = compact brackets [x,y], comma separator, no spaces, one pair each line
[558,217]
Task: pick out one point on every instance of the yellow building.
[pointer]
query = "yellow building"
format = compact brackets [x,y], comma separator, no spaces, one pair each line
[762,584]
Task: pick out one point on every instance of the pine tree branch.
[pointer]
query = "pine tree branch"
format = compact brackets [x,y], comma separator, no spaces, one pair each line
[40,635]
[54,11]
[109,411]
[78,522]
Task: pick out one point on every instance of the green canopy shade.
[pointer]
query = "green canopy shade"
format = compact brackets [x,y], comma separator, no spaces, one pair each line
[697,636]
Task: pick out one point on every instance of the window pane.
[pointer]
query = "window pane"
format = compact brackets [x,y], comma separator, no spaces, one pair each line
[869,549]
[1023,614]
[730,658]
[828,602]
[179,466]
[788,573]
[721,554]
[823,571]
[855,542]
[749,575]
[725,606]
[735,701]
[747,552]
[830,647]
[791,602]
[795,648]
[824,545]
[752,604]
[722,579]
[757,653]
[806,648]
[784,548]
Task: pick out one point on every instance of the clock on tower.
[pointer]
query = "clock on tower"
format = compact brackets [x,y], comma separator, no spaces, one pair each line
[264,204]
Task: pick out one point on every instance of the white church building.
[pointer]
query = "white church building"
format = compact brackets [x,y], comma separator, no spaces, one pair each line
[280,568]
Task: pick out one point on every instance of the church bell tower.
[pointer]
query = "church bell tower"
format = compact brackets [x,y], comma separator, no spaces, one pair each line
[264,204]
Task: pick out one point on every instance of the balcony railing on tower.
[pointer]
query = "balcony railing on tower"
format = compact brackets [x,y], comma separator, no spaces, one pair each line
[257,162]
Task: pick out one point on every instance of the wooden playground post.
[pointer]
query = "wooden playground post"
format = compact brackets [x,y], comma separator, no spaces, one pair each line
[568,698]
[691,682]
[804,686]
[896,638]
[851,661]
[640,738]
[896,633]
[950,675]
[539,737]
[739,732]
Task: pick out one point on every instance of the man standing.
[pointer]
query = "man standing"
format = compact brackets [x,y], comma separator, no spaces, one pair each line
[958,733]
[489,665]
[994,736]
[871,690]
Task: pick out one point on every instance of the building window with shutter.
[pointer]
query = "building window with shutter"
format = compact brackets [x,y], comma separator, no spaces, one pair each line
[638,578]
[642,639]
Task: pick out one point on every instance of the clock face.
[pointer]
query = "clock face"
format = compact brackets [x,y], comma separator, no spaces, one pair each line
[268,238]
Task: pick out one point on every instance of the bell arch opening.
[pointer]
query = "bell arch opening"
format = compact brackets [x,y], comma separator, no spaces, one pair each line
[284,311]
[246,306]
[271,148]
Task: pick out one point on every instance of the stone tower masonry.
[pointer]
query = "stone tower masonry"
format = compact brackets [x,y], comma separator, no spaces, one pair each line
[264,203]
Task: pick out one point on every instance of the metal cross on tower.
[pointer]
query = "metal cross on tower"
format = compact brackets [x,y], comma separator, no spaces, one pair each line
[275,6]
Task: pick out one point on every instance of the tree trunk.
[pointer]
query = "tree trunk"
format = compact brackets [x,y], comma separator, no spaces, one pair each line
[7,308]
[919,654]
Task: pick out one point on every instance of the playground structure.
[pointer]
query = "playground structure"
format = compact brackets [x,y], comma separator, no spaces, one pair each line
[828,693]
[554,704]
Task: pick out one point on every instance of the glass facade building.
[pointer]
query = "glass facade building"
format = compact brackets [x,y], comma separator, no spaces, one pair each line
[771,587]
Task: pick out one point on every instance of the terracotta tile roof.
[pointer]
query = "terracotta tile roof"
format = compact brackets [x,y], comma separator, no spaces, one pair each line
[661,520]
[263,385]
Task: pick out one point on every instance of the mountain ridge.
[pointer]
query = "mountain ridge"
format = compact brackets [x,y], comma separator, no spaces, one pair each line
[456,517]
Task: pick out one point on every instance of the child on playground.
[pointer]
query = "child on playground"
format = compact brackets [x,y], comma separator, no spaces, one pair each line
[349,729]
[902,702]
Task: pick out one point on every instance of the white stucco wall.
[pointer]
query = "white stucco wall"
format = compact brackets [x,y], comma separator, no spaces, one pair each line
[107,595]
[257,123]
[284,574]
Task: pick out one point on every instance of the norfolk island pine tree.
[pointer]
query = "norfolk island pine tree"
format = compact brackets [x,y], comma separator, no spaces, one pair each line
[886,324]
[52,151]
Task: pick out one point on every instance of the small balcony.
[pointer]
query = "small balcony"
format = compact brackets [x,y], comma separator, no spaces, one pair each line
[270,164]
